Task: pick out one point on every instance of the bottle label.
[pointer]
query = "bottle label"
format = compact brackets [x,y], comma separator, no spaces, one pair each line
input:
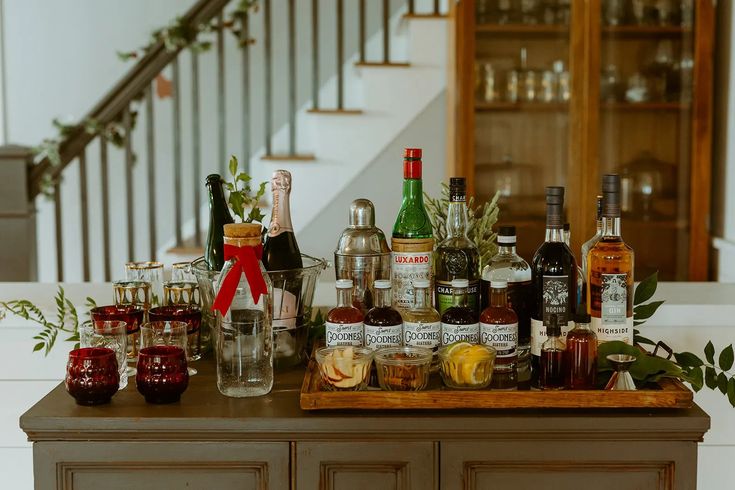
[614,298]
[555,298]
[460,333]
[538,334]
[444,295]
[339,334]
[422,334]
[377,337]
[406,267]
[504,337]
[606,333]
[284,310]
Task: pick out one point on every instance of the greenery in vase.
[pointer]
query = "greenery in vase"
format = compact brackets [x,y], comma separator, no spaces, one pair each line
[241,197]
[480,222]
[686,366]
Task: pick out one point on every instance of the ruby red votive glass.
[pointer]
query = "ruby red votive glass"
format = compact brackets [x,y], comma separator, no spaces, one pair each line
[133,317]
[162,373]
[92,375]
[189,314]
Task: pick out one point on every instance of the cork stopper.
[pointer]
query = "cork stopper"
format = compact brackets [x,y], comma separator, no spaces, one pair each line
[243,234]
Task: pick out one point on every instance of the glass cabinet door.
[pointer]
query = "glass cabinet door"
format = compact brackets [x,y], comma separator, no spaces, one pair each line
[645,126]
[522,93]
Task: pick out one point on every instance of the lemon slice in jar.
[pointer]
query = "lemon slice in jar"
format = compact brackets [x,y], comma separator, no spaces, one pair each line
[474,362]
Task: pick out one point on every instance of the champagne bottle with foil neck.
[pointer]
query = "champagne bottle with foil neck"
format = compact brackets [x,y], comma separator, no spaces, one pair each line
[281,251]
[219,216]
[412,240]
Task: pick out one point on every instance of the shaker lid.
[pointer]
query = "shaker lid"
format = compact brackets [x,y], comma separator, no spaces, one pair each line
[362,237]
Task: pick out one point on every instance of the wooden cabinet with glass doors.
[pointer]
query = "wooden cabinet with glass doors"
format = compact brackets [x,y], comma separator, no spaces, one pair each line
[560,92]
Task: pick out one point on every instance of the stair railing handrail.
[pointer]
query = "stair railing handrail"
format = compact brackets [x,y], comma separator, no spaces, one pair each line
[115,101]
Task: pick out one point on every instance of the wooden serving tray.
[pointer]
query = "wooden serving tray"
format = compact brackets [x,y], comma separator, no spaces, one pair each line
[670,393]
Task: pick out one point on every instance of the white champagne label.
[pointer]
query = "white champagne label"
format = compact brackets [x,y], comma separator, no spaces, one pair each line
[377,337]
[504,337]
[538,335]
[343,334]
[284,310]
[406,267]
[422,334]
[460,333]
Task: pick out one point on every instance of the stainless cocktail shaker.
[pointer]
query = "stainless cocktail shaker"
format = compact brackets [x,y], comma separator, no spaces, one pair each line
[362,253]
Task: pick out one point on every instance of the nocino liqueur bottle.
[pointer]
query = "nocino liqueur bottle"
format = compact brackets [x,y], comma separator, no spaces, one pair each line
[456,257]
[610,272]
[383,323]
[281,252]
[344,322]
[412,242]
[219,216]
[460,323]
[554,277]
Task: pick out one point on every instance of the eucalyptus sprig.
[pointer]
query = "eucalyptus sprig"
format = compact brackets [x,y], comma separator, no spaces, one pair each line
[241,198]
[480,222]
[67,320]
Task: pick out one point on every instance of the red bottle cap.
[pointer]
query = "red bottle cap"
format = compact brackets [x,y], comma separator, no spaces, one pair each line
[412,163]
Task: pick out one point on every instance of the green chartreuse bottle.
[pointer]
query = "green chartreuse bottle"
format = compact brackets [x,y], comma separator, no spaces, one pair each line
[456,257]
[219,216]
[412,240]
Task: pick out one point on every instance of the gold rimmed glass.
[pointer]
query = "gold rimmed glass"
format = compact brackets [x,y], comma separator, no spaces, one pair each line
[151,272]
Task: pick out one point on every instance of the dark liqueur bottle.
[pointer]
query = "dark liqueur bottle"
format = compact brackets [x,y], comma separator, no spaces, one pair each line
[344,322]
[552,372]
[460,323]
[456,257]
[554,277]
[383,323]
[219,216]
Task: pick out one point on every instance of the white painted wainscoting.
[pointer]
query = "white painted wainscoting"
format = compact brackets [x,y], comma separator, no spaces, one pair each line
[693,313]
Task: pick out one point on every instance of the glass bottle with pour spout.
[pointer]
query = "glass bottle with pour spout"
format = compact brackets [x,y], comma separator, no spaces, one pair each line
[362,254]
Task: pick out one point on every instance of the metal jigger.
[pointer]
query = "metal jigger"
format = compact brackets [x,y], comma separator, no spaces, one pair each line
[621,378]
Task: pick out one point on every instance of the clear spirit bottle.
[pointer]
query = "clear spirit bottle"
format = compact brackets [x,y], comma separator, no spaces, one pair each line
[422,323]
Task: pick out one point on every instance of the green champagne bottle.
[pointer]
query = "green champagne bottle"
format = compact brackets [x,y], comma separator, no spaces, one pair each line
[219,216]
[412,240]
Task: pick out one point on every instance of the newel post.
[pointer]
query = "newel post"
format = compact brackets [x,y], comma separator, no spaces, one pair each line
[18,248]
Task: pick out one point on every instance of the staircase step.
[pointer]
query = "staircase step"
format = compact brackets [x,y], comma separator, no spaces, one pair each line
[381,64]
[287,157]
[336,112]
[425,16]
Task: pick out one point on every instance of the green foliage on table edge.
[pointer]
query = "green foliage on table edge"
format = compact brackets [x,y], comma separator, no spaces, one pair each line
[67,320]
[686,366]
[176,35]
[480,222]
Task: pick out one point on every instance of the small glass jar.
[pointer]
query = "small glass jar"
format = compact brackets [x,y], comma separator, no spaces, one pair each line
[344,368]
[467,366]
[403,368]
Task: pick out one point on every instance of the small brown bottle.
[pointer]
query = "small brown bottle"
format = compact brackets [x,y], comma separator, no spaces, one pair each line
[551,375]
[344,322]
[581,355]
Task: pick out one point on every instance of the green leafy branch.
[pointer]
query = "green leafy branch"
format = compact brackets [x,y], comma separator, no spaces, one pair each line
[686,366]
[480,222]
[66,322]
[241,198]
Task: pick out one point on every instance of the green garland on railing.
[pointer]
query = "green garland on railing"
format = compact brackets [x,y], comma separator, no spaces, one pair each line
[177,35]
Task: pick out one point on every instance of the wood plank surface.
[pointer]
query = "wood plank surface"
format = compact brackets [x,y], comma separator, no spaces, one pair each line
[672,394]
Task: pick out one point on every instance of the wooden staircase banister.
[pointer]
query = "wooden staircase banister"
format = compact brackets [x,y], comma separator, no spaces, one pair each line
[131,86]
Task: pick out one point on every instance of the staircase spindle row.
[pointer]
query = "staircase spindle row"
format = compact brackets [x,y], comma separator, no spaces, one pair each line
[145,81]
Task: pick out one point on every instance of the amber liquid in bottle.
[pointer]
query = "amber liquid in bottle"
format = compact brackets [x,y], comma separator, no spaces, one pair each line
[344,325]
[460,322]
[581,355]
[551,361]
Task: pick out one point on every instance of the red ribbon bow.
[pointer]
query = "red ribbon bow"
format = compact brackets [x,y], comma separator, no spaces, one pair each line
[247,261]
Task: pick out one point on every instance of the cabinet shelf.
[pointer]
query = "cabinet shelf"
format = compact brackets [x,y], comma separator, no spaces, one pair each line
[644,31]
[523,29]
[644,106]
[502,106]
